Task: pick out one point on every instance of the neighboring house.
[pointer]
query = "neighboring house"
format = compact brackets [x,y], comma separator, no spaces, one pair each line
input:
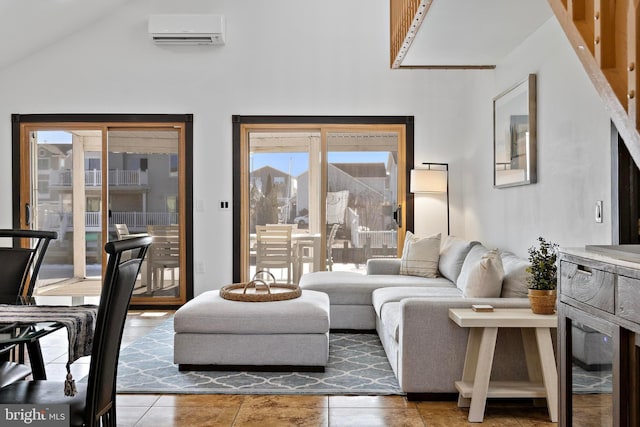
[283,184]
[143,189]
[374,175]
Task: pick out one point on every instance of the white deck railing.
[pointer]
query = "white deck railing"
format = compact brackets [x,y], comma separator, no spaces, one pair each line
[136,221]
[376,239]
[93,178]
[372,238]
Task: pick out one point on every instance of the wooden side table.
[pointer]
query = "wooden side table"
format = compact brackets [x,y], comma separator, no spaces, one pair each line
[475,386]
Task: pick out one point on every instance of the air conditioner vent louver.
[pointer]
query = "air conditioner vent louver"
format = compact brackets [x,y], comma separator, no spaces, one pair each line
[187,29]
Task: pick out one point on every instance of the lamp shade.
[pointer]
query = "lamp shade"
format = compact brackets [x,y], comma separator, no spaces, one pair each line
[428,181]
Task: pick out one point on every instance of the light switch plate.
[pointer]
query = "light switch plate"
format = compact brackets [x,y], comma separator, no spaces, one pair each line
[599,211]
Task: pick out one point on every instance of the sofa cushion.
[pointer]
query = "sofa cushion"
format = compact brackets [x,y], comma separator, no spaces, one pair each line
[349,288]
[452,254]
[383,296]
[390,317]
[514,284]
[420,255]
[484,278]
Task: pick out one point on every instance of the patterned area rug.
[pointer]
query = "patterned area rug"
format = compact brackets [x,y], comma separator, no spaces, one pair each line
[357,365]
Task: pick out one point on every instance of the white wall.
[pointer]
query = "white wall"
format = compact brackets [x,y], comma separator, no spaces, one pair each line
[574,155]
[298,57]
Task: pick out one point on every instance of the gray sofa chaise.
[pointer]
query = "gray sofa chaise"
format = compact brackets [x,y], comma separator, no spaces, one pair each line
[410,314]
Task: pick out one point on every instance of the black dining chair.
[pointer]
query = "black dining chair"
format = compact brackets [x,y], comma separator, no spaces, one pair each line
[20,266]
[95,402]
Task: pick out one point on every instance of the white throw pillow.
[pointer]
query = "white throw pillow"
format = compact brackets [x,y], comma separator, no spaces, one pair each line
[516,276]
[484,278]
[420,255]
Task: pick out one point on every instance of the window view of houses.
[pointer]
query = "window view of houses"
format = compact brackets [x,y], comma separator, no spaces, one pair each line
[360,202]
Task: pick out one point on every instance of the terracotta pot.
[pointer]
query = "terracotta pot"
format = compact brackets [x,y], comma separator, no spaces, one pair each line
[542,301]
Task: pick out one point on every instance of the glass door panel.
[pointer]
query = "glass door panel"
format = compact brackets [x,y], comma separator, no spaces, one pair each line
[283,193]
[592,358]
[361,197]
[63,199]
[143,193]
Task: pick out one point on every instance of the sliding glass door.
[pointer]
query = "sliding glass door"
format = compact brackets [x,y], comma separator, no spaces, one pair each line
[338,190]
[362,195]
[143,193]
[98,181]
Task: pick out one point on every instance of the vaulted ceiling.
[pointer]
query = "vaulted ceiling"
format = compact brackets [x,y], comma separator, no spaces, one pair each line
[454,32]
[29,26]
[474,32]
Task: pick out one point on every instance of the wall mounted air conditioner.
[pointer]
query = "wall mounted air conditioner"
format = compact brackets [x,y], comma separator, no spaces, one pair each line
[187,29]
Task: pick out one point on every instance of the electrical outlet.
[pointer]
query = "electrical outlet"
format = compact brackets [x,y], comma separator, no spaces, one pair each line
[224,205]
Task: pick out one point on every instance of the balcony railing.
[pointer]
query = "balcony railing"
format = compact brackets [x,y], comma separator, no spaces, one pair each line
[136,221]
[93,178]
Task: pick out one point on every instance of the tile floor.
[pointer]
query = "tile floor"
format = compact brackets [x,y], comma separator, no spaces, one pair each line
[254,410]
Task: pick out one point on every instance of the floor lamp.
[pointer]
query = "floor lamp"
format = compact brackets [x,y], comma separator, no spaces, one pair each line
[433,179]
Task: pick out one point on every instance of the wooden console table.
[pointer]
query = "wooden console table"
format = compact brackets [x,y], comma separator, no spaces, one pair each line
[475,386]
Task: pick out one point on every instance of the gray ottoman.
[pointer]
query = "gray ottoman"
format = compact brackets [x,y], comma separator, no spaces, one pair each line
[214,333]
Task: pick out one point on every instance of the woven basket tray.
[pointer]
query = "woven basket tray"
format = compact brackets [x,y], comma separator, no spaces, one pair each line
[258,290]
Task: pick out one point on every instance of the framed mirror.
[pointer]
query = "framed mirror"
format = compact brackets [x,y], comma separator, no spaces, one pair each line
[514,135]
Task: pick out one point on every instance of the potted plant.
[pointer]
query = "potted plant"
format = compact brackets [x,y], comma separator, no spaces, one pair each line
[543,280]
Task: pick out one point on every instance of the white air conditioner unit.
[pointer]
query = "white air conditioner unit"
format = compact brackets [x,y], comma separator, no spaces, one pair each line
[187,29]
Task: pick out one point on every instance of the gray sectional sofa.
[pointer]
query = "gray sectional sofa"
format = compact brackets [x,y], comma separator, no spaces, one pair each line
[410,314]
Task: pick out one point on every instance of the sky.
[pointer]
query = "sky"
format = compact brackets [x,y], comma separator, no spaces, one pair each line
[54,137]
[296,163]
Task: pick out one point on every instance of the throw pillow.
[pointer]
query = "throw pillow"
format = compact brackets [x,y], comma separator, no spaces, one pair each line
[452,254]
[420,255]
[515,283]
[471,260]
[484,279]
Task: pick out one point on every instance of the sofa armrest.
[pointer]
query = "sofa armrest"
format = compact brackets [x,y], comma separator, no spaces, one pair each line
[383,266]
[432,347]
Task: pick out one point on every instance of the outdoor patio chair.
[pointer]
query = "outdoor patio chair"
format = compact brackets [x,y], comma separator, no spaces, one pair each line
[121,231]
[274,248]
[164,253]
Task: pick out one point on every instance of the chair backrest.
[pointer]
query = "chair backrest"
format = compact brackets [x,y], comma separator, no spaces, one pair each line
[119,279]
[166,243]
[163,230]
[20,265]
[121,230]
[274,243]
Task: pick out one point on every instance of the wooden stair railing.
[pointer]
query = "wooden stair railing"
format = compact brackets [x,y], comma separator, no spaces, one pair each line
[406,17]
[604,34]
